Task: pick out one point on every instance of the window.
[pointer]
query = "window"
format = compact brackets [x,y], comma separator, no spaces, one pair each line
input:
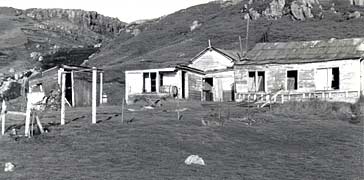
[335,84]
[327,78]
[292,80]
[160,79]
[153,82]
[256,81]
[149,82]
[251,81]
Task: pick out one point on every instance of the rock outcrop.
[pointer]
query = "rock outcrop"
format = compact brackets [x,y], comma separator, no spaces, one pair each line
[357,2]
[78,18]
[299,9]
[275,9]
[302,9]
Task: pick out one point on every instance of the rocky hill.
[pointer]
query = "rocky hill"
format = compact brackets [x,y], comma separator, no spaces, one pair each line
[40,36]
[35,39]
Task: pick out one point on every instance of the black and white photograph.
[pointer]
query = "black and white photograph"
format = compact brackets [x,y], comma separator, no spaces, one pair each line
[182,90]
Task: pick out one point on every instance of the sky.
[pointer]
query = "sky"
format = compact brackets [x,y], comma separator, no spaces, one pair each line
[125,10]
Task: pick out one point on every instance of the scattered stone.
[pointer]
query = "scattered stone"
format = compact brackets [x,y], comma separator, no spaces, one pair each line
[194,159]
[354,15]
[9,167]
[148,107]
[181,110]
[195,25]
[254,14]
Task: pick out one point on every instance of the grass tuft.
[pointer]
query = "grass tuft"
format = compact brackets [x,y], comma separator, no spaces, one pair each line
[322,110]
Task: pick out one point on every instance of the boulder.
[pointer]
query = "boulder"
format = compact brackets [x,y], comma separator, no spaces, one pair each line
[9,167]
[254,14]
[303,9]
[357,2]
[194,159]
[354,15]
[275,9]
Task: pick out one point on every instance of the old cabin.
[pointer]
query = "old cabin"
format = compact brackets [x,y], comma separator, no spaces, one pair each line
[327,69]
[78,84]
[217,65]
[178,81]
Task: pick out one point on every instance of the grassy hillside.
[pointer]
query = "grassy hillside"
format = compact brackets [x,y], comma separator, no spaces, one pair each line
[169,40]
[278,146]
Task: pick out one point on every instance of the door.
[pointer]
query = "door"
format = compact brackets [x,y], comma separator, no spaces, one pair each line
[183,84]
[69,91]
[208,84]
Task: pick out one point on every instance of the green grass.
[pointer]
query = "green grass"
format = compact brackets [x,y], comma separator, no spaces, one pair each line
[155,145]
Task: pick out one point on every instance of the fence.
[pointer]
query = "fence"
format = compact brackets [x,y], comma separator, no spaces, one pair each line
[281,96]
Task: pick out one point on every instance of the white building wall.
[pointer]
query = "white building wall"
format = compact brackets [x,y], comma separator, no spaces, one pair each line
[133,83]
[170,79]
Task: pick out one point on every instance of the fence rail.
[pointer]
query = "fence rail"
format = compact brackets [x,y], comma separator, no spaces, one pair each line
[281,96]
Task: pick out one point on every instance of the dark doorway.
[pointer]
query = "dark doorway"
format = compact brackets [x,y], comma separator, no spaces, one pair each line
[207,89]
[261,81]
[153,82]
[68,93]
[183,84]
[335,84]
[145,79]
[160,79]
[292,77]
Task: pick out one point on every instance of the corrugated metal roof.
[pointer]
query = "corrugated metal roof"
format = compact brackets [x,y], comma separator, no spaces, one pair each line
[305,51]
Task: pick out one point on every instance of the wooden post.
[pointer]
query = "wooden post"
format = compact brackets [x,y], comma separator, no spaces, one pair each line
[282,98]
[122,111]
[27,117]
[94,79]
[73,88]
[178,109]
[39,123]
[3,116]
[101,86]
[63,98]
[32,124]
[219,106]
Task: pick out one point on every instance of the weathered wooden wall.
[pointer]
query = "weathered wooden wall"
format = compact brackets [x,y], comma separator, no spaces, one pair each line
[211,60]
[82,85]
[276,75]
[49,80]
[223,85]
[194,86]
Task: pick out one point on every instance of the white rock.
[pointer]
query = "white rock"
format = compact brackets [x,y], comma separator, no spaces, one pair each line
[9,167]
[194,159]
